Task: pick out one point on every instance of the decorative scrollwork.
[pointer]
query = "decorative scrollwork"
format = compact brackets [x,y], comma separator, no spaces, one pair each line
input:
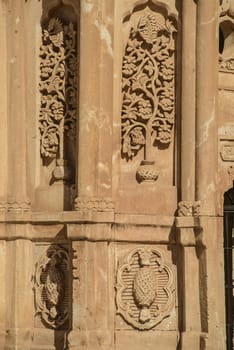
[226,65]
[148,85]
[188,208]
[94,203]
[51,286]
[145,287]
[58,87]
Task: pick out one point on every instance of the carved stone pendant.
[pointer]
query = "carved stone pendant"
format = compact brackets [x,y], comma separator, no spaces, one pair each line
[145,287]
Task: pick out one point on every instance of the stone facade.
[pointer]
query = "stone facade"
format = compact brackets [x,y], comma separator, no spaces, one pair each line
[117,146]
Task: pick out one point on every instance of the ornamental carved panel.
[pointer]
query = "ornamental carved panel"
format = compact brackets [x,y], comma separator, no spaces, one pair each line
[58,89]
[51,286]
[226,57]
[188,208]
[148,91]
[144,288]
[227,148]
[227,151]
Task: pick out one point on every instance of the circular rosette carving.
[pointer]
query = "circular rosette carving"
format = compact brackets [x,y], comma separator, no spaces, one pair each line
[51,286]
[145,287]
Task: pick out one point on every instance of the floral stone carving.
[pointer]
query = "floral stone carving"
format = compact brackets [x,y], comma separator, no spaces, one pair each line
[145,287]
[58,87]
[94,203]
[51,286]
[226,64]
[189,208]
[148,75]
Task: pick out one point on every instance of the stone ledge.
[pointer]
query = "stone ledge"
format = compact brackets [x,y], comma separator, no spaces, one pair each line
[85,216]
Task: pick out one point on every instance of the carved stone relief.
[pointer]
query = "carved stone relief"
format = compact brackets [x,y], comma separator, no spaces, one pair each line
[226,143]
[15,206]
[227,148]
[226,6]
[58,88]
[144,288]
[148,77]
[94,203]
[187,208]
[51,286]
[226,57]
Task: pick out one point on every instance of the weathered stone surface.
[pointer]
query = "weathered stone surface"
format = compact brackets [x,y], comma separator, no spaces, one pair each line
[117,146]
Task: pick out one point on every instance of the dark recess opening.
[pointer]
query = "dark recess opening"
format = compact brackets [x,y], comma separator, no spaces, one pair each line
[228,263]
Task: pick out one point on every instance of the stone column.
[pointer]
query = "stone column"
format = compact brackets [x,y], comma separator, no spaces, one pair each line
[89,102]
[206,106]
[95,107]
[188,100]
[19,298]
[190,308]
[214,282]
[91,328]
[3,305]
[3,108]
[17,182]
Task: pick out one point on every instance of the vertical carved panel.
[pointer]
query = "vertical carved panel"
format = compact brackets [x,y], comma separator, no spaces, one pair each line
[51,285]
[58,88]
[148,77]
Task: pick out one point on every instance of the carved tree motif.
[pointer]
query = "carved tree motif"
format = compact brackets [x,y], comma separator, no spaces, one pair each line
[58,87]
[148,85]
[145,287]
[51,286]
